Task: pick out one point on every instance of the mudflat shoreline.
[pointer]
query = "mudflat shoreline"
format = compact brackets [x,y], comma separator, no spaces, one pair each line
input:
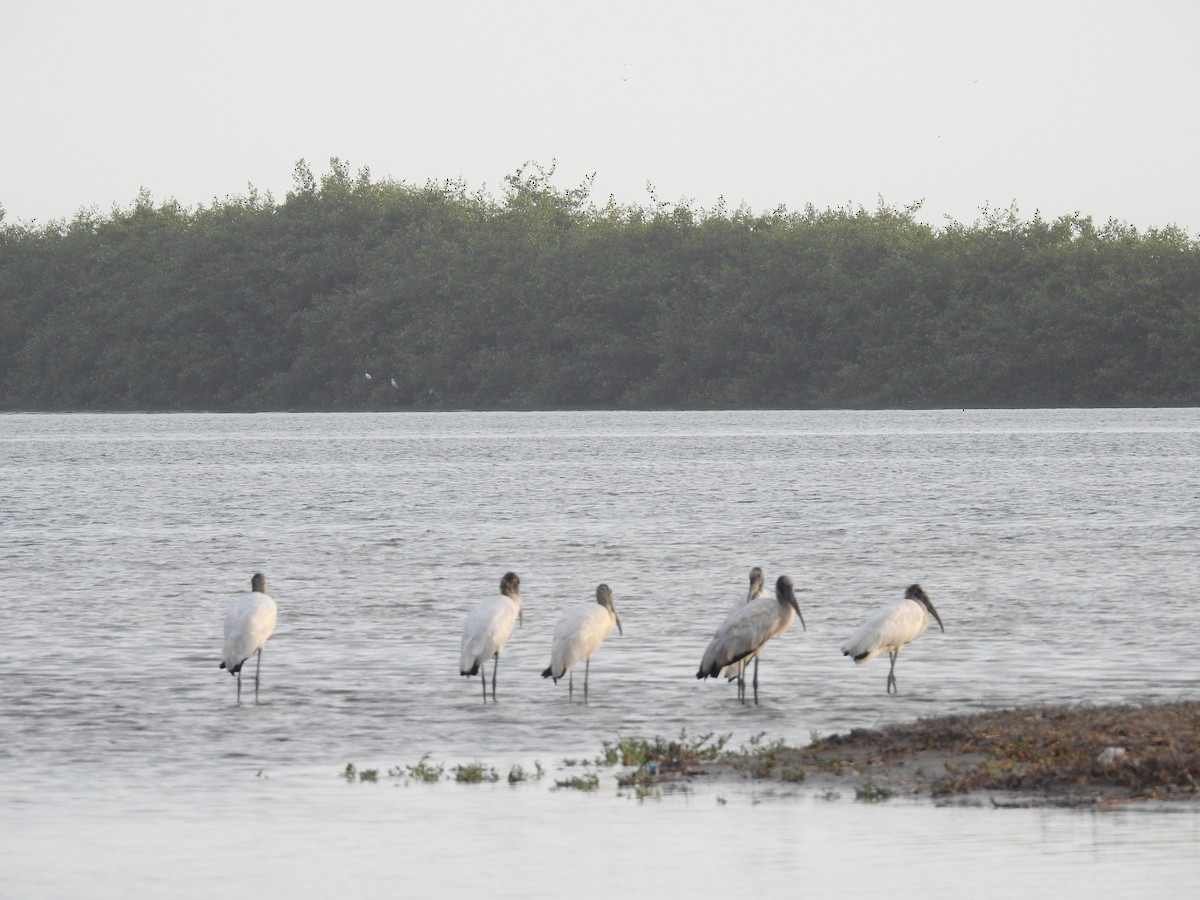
[1026,756]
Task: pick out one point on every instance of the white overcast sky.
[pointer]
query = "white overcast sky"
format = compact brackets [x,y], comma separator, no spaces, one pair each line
[1055,106]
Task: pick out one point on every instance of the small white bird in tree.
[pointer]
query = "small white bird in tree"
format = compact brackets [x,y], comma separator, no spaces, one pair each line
[487,629]
[891,627]
[248,624]
[579,634]
[747,630]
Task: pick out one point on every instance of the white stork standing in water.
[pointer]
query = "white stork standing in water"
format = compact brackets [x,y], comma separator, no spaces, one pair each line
[487,629]
[248,624]
[891,627]
[737,672]
[746,631]
[579,634]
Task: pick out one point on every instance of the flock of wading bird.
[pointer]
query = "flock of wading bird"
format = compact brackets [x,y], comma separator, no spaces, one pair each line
[747,628]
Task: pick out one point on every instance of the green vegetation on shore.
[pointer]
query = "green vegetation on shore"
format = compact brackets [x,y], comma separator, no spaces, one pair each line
[1043,755]
[543,298]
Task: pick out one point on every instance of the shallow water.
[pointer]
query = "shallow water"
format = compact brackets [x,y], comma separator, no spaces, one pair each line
[303,837]
[1058,545]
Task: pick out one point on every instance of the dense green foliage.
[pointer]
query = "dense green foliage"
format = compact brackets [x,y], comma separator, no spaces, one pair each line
[543,299]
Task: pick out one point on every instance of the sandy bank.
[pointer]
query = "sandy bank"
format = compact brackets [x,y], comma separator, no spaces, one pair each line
[1032,755]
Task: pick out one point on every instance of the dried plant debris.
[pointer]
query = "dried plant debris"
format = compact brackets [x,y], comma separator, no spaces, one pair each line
[1034,755]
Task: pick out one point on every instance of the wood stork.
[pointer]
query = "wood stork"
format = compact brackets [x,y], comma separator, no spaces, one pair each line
[579,634]
[248,624]
[891,627]
[746,631]
[487,629]
[737,672]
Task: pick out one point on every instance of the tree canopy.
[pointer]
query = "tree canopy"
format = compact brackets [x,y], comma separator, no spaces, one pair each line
[543,298]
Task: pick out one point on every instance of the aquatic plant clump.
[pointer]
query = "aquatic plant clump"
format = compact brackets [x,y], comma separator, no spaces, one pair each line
[660,753]
[475,773]
[352,773]
[518,775]
[423,771]
[588,782]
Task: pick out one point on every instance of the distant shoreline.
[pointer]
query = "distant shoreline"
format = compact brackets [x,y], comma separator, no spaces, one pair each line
[1027,756]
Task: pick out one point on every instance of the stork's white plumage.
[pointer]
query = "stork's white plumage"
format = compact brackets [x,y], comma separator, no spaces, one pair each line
[249,622]
[747,630]
[579,634]
[891,627]
[487,630]
[757,589]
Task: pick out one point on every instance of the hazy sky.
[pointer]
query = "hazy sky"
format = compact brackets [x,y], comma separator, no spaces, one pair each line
[1056,106]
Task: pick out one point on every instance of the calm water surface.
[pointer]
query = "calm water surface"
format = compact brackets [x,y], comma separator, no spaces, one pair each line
[1060,547]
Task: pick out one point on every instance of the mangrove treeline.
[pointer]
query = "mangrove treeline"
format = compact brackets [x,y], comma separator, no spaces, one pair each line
[544,299]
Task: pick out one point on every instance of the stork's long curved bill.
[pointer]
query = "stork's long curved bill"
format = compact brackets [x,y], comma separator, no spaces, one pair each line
[618,618]
[785,591]
[936,616]
[796,606]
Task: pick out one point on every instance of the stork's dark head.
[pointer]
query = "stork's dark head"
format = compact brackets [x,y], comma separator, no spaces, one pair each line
[916,592]
[510,586]
[785,592]
[258,583]
[756,582]
[604,596]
